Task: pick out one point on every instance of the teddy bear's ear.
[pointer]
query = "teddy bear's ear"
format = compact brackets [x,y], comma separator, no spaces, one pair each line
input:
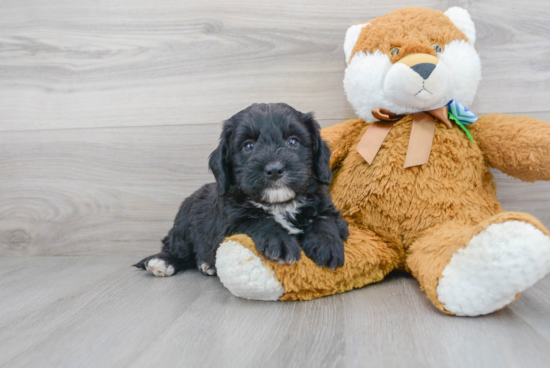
[461,19]
[351,39]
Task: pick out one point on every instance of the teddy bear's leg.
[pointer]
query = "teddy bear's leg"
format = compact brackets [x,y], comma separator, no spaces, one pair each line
[471,270]
[247,274]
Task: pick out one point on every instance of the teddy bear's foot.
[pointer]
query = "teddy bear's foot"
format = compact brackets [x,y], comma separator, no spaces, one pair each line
[247,274]
[244,274]
[496,265]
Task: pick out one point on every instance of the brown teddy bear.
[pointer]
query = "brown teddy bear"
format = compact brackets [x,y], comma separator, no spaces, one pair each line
[412,178]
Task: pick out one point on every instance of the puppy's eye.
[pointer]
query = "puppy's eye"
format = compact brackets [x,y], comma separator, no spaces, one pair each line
[248,146]
[293,142]
[394,51]
[437,48]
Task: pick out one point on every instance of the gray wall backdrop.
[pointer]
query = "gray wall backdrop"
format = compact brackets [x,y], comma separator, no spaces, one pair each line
[109,109]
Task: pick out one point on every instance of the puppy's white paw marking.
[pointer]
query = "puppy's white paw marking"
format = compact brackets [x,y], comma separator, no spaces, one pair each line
[158,267]
[501,261]
[244,274]
[207,269]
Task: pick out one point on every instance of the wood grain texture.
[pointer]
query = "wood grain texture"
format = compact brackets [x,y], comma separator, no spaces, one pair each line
[97,191]
[108,111]
[76,64]
[99,312]
[117,190]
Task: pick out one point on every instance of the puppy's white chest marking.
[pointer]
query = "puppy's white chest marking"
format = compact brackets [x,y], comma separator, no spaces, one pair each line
[280,218]
[281,213]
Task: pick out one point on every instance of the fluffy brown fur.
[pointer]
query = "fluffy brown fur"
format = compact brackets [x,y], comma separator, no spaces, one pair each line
[415,219]
[516,145]
[412,29]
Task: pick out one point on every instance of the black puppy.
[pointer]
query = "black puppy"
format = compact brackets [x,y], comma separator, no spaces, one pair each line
[272,177]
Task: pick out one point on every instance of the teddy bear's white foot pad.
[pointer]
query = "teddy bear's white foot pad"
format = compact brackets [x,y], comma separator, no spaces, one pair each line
[502,260]
[244,274]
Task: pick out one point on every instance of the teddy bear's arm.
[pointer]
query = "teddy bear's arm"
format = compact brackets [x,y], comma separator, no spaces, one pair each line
[517,145]
[340,138]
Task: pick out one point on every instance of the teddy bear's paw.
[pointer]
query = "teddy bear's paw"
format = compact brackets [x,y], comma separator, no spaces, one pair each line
[244,274]
[501,261]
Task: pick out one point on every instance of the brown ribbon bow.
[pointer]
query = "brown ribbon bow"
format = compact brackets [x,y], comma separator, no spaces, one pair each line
[420,142]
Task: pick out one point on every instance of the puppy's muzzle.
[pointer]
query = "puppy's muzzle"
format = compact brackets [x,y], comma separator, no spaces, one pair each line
[274,170]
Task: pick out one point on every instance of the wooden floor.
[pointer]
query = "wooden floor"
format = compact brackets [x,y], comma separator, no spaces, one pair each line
[108,111]
[100,312]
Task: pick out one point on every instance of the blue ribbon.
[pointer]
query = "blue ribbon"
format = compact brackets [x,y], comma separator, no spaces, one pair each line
[461,113]
[461,116]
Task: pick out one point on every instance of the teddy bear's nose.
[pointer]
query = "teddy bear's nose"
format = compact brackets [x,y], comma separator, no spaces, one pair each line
[424,69]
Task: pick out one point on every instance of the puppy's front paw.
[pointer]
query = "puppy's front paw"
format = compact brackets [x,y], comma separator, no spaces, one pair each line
[324,249]
[343,229]
[280,247]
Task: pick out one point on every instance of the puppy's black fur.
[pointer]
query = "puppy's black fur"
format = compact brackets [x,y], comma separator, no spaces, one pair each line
[272,177]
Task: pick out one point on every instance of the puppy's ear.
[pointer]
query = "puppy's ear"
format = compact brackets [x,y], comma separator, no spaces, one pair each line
[219,162]
[321,152]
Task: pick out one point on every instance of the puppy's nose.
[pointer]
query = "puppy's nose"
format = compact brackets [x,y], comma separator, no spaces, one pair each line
[274,170]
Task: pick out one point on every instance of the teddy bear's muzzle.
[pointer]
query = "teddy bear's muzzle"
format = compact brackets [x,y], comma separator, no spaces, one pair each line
[418,81]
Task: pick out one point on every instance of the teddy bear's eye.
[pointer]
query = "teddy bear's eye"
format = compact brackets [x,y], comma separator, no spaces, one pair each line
[437,48]
[394,51]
